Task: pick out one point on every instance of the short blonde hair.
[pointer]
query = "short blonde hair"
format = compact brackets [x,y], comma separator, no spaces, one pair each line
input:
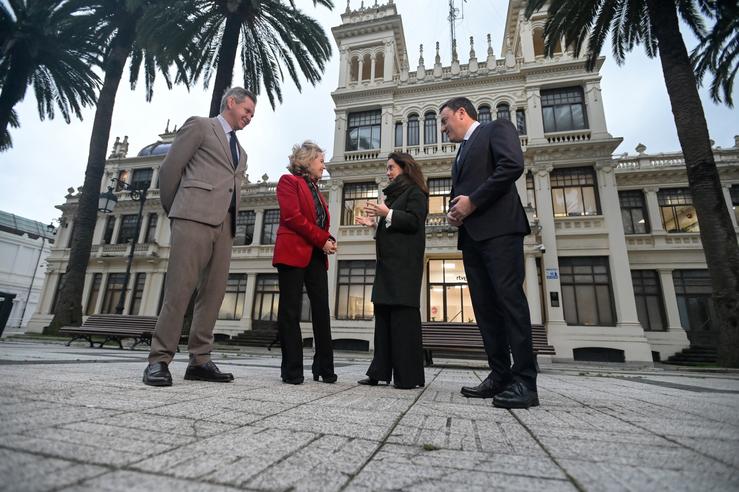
[302,155]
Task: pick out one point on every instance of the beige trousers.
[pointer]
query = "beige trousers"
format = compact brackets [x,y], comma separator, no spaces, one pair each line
[199,257]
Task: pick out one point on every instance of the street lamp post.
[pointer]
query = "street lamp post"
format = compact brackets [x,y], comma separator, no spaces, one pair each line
[106,204]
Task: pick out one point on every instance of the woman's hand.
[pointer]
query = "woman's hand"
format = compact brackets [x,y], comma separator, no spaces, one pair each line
[330,247]
[365,221]
[373,209]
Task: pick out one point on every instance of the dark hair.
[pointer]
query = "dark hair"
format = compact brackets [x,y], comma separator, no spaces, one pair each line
[460,102]
[410,168]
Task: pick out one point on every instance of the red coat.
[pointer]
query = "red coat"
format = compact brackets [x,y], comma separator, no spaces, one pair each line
[298,233]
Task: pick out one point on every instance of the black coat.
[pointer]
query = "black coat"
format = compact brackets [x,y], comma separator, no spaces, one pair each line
[487,169]
[400,251]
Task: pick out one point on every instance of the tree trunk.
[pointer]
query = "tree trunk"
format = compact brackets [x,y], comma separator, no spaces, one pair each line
[69,306]
[717,232]
[226,62]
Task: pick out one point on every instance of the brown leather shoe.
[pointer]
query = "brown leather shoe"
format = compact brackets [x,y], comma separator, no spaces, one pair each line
[208,372]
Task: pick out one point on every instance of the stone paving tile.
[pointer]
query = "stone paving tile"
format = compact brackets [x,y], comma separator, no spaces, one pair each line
[124,481]
[325,419]
[231,458]
[49,416]
[407,468]
[25,472]
[464,434]
[324,464]
[724,450]
[609,477]
[579,418]
[641,437]
[667,457]
[161,424]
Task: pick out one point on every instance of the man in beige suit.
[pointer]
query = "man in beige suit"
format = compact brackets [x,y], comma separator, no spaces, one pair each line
[199,183]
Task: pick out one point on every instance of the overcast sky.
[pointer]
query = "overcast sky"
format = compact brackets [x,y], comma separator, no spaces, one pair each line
[50,156]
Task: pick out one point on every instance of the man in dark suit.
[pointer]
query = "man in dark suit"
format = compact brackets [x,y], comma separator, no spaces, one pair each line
[199,183]
[492,224]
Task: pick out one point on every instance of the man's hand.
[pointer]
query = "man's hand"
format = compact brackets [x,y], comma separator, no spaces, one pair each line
[452,221]
[365,221]
[330,247]
[461,208]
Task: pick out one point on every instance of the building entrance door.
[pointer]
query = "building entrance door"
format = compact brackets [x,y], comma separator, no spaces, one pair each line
[697,312]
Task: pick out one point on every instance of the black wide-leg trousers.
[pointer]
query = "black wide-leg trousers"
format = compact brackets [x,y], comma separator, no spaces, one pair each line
[398,349]
[291,281]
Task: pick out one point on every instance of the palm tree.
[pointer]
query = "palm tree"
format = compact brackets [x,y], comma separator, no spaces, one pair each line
[42,45]
[654,23]
[274,34]
[115,24]
[718,51]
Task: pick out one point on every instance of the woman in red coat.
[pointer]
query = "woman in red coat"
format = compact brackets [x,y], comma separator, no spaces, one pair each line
[300,255]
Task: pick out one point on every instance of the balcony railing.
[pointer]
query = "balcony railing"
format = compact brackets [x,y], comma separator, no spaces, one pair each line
[568,137]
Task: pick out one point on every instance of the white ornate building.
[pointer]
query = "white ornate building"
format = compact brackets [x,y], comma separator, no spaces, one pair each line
[614,267]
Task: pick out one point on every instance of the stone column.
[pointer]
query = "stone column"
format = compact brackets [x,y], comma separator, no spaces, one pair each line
[532,290]
[97,234]
[343,66]
[116,229]
[143,227]
[655,218]
[101,295]
[47,296]
[86,288]
[669,297]
[251,287]
[258,221]
[360,69]
[372,67]
[596,114]
[623,289]
[335,198]
[549,260]
[534,120]
[152,291]
[339,135]
[387,134]
[389,60]
[405,134]
[527,42]
[155,178]
[727,196]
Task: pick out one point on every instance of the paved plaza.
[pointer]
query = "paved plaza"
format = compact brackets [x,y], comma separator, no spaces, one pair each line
[75,418]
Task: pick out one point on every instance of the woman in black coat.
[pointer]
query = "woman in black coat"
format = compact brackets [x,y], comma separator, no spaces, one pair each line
[400,244]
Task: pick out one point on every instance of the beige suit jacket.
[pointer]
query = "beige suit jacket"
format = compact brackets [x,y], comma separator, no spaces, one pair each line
[197,177]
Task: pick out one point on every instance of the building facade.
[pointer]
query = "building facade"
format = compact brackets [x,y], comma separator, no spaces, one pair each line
[614,265]
[24,246]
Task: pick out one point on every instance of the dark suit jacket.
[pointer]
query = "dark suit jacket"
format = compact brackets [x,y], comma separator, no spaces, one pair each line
[298,233]
[400,249]
[488,167]
[197,177]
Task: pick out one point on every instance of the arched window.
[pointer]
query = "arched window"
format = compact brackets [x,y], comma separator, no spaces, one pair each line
[398,134]
[379,65]
[503,111]
[429,128]
[413,128]
[354,70]
[366,67]
[483,114]
[538,36]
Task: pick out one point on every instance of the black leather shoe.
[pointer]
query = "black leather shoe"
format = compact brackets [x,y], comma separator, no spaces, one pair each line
[368,382]
[157,374]
[516,396]
[207,372]
[326,379]
[298,380]
[486,389]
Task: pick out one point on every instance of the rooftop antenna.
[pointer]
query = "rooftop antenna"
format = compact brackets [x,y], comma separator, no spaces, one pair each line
[454,15]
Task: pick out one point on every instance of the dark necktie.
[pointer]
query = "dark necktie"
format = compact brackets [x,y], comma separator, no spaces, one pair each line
[234,145]
[455,170]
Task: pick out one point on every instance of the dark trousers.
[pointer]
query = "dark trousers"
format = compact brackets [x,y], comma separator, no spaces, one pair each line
[398,351]
[495,275]
[291,281]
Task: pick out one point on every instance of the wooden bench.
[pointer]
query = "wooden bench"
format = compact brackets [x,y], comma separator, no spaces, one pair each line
[465,338]
[113,327]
